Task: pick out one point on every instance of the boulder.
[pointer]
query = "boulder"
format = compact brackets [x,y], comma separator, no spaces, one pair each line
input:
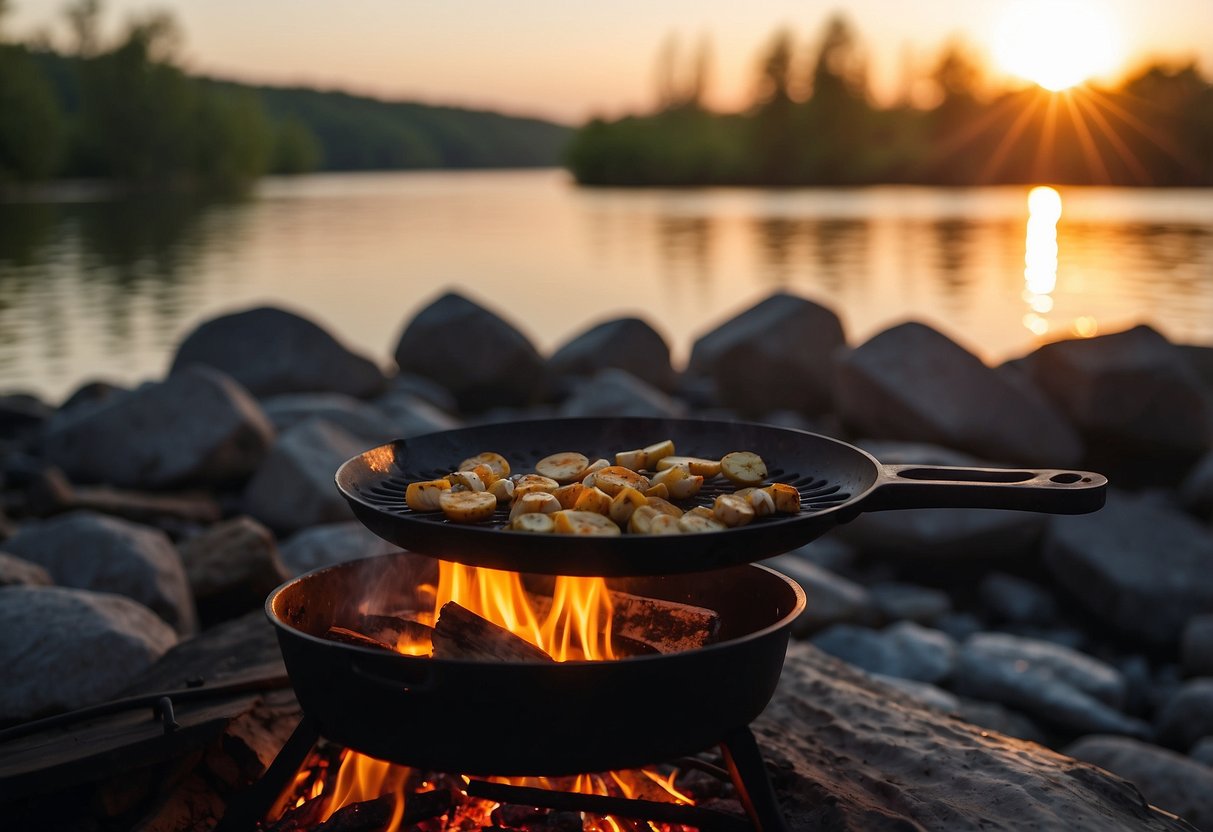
[924,694]
[827,552]
[618,393]
[628,344]
[1168,780]
[904,650]
[1196,490]
[909,602]
[1130,391]
[848,753]
[198,427]
[1142,568]
[93,551]
[411,415]
[232,567]
[773,356]
[272,351]
[1196,646]
[22,413]
[1003,720]
[15,571]
[294,487]
[354,416]
[331,544]
[914,383]
[69,648]
[1202,752]
[1187,715]
[1200,359]
[1016,600]
[1045,680]
[483,360]
[832,599]
[423,388]
[945,534]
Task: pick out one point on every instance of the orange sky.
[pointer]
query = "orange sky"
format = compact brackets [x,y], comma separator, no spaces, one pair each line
[569,60]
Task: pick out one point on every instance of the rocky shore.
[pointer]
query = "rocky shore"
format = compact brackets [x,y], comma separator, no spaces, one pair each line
[1005,643]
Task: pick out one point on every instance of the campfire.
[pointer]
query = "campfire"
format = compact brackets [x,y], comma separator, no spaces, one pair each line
[485,615]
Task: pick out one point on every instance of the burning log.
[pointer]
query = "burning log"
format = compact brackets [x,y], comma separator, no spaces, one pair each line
[390,629]
[667,626]
[462,634]
[367,816]
[348,636]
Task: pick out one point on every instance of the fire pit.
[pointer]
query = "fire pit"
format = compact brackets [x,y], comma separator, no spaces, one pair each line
[651,653]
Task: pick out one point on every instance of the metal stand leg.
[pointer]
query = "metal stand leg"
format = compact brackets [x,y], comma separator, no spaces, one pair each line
[746,767]
[250,806]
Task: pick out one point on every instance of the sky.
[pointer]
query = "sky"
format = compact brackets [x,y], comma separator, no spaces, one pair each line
[568,60]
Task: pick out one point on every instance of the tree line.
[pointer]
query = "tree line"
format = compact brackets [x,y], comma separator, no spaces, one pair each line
[127,111]
[812,121]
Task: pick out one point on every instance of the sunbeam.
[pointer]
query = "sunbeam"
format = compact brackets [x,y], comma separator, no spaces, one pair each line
[1160,140]
[1048,134]
[1122,149]
[1090,152]
[1007,141]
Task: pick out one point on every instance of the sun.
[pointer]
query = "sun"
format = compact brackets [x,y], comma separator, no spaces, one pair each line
[1056,43]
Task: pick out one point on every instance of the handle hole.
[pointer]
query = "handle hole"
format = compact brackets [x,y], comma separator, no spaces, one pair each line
[964,475]
[1067,478]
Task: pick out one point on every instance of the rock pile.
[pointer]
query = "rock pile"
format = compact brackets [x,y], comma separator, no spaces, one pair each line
[131,515]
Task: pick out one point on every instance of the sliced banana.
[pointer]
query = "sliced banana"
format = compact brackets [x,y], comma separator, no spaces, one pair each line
[468,506]
[692,523]
[654,453]
[563,467]
[503,490]
[536,502]
[700,511]
[706,468]
[665,524]
[595,500]
[528,483]
[468,480]
[499,464]
[534,522]
[732,510]
[587,476]
[568,494]
[641,521]
[583,522]
[743,468]
[659,490]
[679,481]
[615,478]
[636,460]
[424,496]
[786,497]
[624,503]
[761,502]
[663,506]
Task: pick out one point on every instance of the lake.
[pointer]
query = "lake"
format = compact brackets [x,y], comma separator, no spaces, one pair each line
[95,289]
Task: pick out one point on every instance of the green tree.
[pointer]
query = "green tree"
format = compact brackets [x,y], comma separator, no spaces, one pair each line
[32,127]
[296,149]
[233,138]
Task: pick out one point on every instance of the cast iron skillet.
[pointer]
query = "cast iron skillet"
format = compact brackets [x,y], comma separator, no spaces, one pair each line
[836,481]
[515,718]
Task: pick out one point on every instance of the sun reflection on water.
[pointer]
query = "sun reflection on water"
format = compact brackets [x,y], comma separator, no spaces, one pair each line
[1040,257]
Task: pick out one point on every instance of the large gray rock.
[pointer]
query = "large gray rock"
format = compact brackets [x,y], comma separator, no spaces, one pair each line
[773,356]
[410,415]
[1143,568]
[629,344]
[93,551]
[232,567]
[1196,646]
[1202,752]
[198,426]
[618,393]
[354,416]
[1130,390]
[1045,680]
[294,487]
[832,599]
[272,351]
[1196,491]
[914,383]
[15,571]
[67,648]
[1168,780]
[331,544]
[426,389]
[848,753]
[483,360]
[904,650]
[1016,600]
[1187,715]
[909,602]
[962,534]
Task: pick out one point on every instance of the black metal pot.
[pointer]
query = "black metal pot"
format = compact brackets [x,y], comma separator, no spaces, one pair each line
[517,718]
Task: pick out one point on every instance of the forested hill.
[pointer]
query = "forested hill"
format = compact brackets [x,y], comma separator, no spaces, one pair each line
[356,133]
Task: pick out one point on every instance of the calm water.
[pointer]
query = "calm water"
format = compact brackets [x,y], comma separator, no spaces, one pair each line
[106,289]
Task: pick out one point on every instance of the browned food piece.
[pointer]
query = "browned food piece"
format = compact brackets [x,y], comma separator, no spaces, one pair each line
[495,461]
[706,468]
[743,468]
[786,497]
[468,506]
[615,478]
[584,523]
[563,467]
[425,496]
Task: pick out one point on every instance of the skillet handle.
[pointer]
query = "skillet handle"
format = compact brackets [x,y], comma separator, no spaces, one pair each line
[1052,491]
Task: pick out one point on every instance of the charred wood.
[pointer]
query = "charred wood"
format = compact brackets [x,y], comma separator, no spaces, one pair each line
[462,634]
[345,635]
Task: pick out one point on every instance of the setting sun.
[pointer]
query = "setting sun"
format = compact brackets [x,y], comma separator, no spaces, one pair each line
[1057,44]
